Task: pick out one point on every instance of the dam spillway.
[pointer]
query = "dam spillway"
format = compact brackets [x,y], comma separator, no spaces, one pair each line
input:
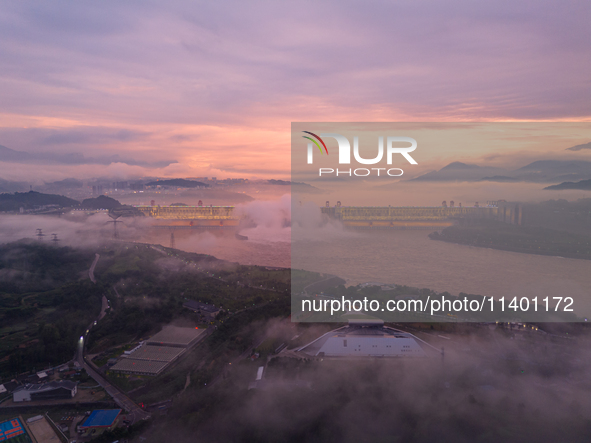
[397,217]
[401,217]
[191,216]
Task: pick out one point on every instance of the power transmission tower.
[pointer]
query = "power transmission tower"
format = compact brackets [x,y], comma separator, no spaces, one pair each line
[114,221]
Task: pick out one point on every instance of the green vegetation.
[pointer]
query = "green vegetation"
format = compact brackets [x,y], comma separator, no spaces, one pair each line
[48,301]
[529,240]
[311,281]
[154,283]
[31,199]
[100,202]
[207,361]
[44,304]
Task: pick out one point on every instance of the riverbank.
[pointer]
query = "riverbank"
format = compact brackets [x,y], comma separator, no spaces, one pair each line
[514,238]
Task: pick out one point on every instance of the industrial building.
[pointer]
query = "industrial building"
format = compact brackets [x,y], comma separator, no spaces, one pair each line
[158,352]
[139,367]
[175,336]
[47,391]
[8,387]
[367,338]
[208,310]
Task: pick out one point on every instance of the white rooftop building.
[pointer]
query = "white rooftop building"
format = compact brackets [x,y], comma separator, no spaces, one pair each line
[367,338]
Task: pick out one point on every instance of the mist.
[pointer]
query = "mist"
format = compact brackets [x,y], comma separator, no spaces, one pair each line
[491,384]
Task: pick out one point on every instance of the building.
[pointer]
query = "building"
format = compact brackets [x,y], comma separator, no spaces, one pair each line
[367,338]
[175,336]
[158,352]
[139,367]
[7,388]
[40,428]
[101,419]
[131,351]
[148,360]
[207,310]
[47,391]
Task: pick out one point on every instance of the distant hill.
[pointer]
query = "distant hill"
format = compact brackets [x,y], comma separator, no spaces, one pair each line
[580,147]
[296,186]
[540,171]
[178,183]
[584,185]
[558,166]
[460,165]
[499,178]
[32,199]
[100,202]
[116,209]
[458,171]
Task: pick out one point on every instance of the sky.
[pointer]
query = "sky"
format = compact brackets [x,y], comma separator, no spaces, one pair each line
[191,89]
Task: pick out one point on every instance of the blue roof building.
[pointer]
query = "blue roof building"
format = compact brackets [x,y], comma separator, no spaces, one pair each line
[101,418]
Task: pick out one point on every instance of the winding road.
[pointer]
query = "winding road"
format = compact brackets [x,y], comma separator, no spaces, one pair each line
[92,266]
[134,412]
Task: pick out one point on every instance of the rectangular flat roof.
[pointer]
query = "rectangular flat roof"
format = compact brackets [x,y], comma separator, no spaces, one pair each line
[156,353]
[140,366]
[101,418]
[56,384]
[175,336]
[42,431]
[195,305]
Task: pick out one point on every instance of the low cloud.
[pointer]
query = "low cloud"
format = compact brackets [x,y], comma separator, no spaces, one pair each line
[75,158]
[580,147]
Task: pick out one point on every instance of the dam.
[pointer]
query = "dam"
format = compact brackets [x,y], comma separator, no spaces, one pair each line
[376,217]
[406,217]
[191,216]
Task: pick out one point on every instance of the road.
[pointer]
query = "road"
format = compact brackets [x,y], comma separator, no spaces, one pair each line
[315,283]
[104,307]
[134,411]
[91,270]
[237,360]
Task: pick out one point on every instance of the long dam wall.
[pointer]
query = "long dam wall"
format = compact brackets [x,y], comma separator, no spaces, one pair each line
[400,217]
[412,217]
[191,216]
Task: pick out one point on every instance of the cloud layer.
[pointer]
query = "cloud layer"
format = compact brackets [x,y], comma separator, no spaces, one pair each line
[215,86]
